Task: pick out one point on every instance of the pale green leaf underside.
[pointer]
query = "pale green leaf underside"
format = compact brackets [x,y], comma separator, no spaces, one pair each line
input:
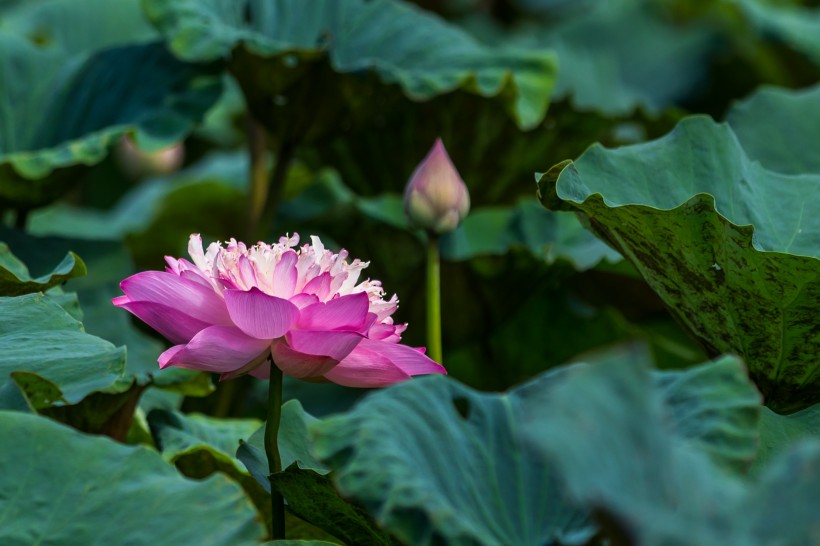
[731,247]
[59,486]
[404,45]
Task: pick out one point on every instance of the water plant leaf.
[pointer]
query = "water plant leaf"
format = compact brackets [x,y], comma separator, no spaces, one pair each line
[653,486]
[723,241]
[357,37]
[418,480]
[15,279]
[49,355]
[779,432]
[63,486]
[69,109]
[792,115]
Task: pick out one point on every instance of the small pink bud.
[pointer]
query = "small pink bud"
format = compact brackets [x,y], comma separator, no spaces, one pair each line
[436,198]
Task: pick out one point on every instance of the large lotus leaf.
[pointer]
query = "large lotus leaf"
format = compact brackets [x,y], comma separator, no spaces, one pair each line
[608,67]
[200,445]
[798,26]
[108,264]
[69,109]
[778,432]
[794,116]
[309,492]
[556,236]
[16,280]
[716,407]
[410,474]
[655,487]
[431,58]
[49,356]
[438,463]
[77,26]
[63,487]
[185,439]
[729,246]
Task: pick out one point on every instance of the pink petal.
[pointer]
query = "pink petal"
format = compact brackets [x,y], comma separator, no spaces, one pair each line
[299,365]
[378,364]
[302,300]
[344,313]
[285,275]
[260,315]
[319,285]
[172,323]
[215,349]
[334,344]
[191,298]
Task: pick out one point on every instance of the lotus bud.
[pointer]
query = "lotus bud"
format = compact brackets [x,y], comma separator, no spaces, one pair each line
[436,198]
[138,163]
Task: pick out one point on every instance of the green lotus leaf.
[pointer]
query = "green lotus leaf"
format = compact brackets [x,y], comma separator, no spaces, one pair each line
[51,358]
[728,245]
[778,432]
[410,475]
[653,486]
[792,115]
[285,38]
[385,454]
[65,487]
[108,263]
[200,445]
[798,26]
[494,231]
[77,27]
[303,482]
[69,109]
[16,280]
[606,66]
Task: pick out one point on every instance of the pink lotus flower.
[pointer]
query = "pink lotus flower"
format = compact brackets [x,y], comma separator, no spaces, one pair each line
[234,307]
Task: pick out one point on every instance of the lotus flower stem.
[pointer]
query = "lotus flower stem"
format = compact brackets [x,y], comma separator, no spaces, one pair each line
[272,450]
[433,299]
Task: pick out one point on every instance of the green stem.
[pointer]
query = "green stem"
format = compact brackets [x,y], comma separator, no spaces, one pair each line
[272,450]
[433,299]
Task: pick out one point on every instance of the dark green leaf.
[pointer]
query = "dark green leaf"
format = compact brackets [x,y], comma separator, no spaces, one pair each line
[64,487]
[15,279]
[728,245]
[69,109]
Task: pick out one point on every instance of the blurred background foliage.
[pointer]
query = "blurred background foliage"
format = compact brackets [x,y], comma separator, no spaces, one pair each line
[94,97]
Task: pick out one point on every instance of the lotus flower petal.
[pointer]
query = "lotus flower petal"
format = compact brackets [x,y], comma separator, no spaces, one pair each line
[260,315]
[222,349]
[191,298]
[168,321]
[343,313]
[379,363]
[300,365]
